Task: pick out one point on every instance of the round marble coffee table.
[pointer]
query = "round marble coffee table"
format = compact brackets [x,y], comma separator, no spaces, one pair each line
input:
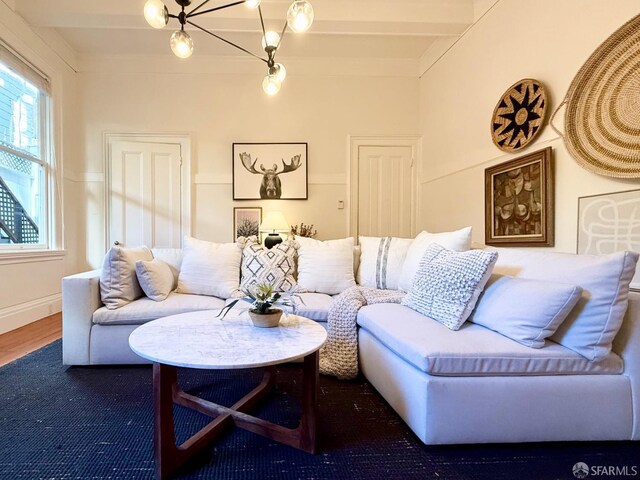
[201,340]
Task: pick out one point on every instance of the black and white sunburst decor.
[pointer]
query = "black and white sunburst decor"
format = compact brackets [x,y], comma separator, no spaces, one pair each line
[519,115]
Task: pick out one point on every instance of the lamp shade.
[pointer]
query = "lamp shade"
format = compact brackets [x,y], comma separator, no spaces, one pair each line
[274,222]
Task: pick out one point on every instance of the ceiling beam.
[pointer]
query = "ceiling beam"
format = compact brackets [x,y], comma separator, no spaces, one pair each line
[384,17]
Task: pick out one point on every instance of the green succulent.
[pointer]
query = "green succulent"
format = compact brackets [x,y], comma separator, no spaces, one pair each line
[263,298]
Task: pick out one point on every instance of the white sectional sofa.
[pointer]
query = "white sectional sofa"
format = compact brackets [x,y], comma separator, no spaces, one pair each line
[473,385]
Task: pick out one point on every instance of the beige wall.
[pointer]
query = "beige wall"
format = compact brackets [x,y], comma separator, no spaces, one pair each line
[218,108]
[548,42]
[30,285]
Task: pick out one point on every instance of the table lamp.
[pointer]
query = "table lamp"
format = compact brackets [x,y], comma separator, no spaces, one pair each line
[273,223]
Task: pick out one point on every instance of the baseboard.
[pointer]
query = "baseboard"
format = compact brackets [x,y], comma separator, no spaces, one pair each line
[18,316]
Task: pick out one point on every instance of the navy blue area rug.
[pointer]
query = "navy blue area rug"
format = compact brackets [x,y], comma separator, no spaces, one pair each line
[96,423]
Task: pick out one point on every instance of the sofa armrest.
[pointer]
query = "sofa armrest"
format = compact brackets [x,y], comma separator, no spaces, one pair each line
[627,345]
[80,298]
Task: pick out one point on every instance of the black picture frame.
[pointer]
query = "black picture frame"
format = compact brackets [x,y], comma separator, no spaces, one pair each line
[270,161]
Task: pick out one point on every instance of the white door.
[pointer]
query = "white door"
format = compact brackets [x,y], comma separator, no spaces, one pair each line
[385,190]
[144,194]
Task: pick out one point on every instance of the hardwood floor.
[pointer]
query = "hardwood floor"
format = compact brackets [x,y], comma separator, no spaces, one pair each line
[19,342]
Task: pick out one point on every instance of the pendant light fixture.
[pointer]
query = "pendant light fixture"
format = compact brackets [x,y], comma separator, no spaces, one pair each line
[299,19]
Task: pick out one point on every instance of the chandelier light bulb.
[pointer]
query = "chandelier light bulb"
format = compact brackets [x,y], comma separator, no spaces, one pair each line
[156,13]
[270,39]
[181,44]
[300,16]
[252,4]
[271,85]
[280,72]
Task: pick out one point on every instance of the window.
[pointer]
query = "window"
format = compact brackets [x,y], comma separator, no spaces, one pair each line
[24,166]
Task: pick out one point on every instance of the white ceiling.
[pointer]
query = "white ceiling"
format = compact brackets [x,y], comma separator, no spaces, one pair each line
[385,29]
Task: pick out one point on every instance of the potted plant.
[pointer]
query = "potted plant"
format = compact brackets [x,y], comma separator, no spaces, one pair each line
[263,299]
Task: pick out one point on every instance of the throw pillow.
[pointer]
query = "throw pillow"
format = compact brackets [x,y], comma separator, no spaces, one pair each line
[325,267]
[261,265]
[156,278]
[590,328]
[458,241]
[448,284]
[118,282]
[525,310]
[209,268]
[381,261]
[172,257]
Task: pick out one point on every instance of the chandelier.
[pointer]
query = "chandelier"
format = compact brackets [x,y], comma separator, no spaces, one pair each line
[299,19]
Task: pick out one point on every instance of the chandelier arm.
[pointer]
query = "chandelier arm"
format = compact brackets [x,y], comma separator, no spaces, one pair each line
[264,32]
[284,29]
[198,7]
[233,4]
[227,41]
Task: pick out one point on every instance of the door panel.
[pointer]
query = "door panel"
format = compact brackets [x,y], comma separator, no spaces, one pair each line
[145,194]
[385,190]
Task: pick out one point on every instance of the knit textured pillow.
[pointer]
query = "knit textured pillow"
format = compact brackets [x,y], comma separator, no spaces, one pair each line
[447,284]
[261,265]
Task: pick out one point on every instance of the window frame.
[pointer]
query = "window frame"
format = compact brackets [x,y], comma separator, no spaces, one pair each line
[48,208]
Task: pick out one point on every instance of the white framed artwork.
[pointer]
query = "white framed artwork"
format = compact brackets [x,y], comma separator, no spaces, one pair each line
[610,223]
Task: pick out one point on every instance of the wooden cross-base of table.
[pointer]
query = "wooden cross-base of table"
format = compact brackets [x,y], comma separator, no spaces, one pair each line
[169,457]
[202,340]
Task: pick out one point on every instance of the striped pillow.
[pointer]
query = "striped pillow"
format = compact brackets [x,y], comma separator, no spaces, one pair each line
[381,261]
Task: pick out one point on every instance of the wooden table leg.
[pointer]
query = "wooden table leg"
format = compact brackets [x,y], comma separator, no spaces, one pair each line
[310,390]
[166,392]
[164,437]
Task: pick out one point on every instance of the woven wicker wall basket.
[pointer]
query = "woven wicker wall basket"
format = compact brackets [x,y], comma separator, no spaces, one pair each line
[602,117]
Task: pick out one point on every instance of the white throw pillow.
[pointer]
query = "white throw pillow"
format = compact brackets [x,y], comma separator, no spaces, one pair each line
[458,241]
[447,284]
[156,278]
[325,267]
[525,310]
[118,281]
[261,265]
[381,261]
[209,268]
[172,257]
[590,327]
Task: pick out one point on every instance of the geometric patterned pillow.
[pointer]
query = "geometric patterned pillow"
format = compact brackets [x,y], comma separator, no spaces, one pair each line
[261,265]
[448,284]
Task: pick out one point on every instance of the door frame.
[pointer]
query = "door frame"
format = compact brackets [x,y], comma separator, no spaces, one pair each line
[182,139]
[355,142]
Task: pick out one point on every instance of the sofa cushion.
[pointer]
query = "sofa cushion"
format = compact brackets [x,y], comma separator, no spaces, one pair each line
[381,261]
[118,281]
[593,324]
[525,310]
[261,265]
[144,309]
[473,350]
[156,278]
[326,267]
[209,268]
[315,307]
[447,284]
[458,241]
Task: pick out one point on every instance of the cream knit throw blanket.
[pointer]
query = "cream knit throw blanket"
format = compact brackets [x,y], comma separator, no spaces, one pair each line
[339,356]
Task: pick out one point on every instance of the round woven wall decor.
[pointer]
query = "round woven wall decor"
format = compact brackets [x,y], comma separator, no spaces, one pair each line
[519,115]
[602,119]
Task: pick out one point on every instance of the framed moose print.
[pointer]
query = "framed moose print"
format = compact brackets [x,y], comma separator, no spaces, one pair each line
[274,171]
[519,202]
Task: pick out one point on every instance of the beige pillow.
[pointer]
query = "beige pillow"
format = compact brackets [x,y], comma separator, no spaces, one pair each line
[118,281]
[156,278]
